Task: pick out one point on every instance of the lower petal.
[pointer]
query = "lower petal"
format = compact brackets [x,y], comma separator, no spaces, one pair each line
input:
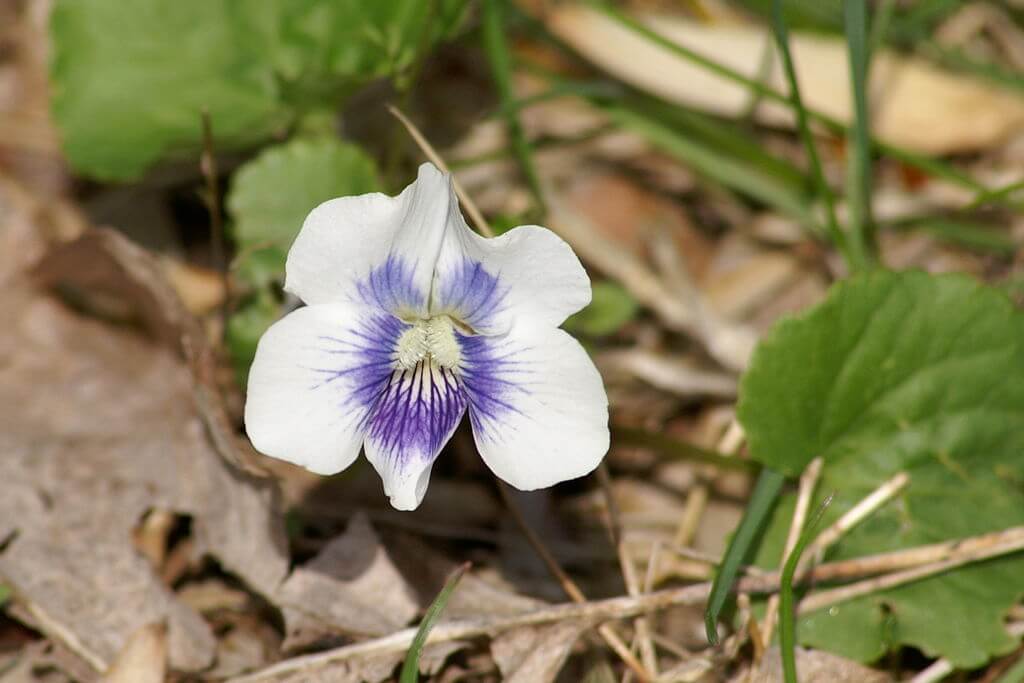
[537,405]
[316,375]
[409,425]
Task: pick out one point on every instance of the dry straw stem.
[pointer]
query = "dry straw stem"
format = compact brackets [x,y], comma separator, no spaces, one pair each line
[428,151]
[965,552]
[960,552]
[697,500]
[569,586]
[643,631]
[808,482]
[852,518]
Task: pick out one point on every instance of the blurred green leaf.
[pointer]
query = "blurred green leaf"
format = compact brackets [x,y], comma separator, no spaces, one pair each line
[5,594]
[245,327]
[901,372]
[269,198]
[271,195]
[610,308]
[131,78]
[259,268]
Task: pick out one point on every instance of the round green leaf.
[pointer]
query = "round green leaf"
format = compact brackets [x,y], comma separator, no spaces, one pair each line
[610,308]
[272,194]
[902,372]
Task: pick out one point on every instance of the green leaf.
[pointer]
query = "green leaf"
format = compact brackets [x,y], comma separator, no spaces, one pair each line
[244,329]
[411,666]
[131,78]
[5,594]
[610,309]
[271,195]
[901,372]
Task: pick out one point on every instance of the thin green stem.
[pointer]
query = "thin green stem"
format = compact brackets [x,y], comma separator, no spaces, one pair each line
[787,615]
[497,51]
[861,226]
[818,175]
[411,667]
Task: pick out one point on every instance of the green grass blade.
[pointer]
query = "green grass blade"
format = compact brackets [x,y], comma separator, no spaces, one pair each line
[787,615]
[766,491]
[925,163]
[496,47]
[981,237]
[824,192]
[713,163]
[860,229]
[667,445]
[989,196]
[411,667]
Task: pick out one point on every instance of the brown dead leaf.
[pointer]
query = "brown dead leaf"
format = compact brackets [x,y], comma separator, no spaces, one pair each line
[352,587]
[814,666]
[143,659]
[35,662]
[535,655]
[100,426]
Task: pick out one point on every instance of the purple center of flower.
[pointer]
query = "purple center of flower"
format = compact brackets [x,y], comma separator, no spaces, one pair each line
[414,377]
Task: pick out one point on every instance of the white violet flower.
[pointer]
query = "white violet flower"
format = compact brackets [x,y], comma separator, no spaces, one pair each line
[411,320]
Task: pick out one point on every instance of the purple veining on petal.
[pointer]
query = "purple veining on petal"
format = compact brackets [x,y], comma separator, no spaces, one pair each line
[470,293]
[417,412]
[365,359]
[493,379]
[391,287]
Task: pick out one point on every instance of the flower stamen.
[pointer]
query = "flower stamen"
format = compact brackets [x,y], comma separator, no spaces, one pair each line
[430,339]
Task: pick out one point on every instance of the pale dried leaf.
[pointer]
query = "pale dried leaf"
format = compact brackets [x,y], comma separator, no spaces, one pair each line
[535,655]
[143,659]
[815,666]
[916,105]
[352,587]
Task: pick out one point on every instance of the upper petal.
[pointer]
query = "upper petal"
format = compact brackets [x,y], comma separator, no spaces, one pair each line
[527,273]
[373,248]
[317,373]
[537,405]
[411,422]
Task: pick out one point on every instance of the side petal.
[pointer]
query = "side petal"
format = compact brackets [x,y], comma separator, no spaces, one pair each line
[537,405]
[527,273]
[318,371]
[373,248]
[411,422]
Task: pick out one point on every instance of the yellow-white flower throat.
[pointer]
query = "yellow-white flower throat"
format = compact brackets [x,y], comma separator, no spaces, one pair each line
[431,339]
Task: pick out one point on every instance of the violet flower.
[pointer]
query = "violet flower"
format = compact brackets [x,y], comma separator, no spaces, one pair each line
[412,320]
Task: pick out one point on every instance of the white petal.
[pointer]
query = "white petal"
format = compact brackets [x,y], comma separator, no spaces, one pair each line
[537,405]
[373,248]
[409,425]
[317,373]
[527,273]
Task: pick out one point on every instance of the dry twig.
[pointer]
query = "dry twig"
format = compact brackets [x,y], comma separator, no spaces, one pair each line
[808,481]
[961,552]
